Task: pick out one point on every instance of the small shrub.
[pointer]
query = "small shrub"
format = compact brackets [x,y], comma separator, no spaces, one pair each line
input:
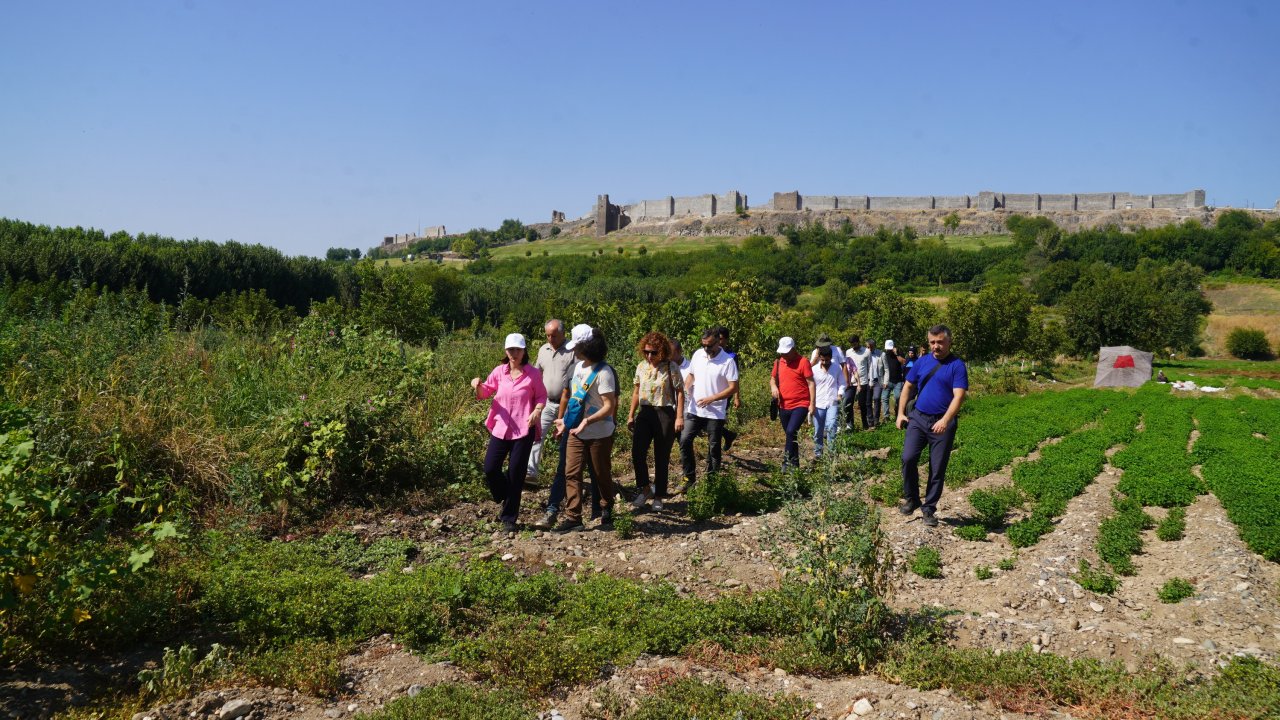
[555,230]
[180,670]
[927,563]
[1028,532]
[990,507]
[1120,536]
[1009,563]
[692,698]
[457,701]
[1176,590]
[644,250]
[1173,525]
[1098,581]
[624,523]
[1248,344]
[982,572]
[313,667]
[973,532]
[887,491]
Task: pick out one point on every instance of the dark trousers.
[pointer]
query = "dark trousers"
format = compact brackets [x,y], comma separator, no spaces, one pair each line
[864,406]
[875,403]
[919,433]
[505,487]
[694,425]
[558,483]
[657,427]
[791,421]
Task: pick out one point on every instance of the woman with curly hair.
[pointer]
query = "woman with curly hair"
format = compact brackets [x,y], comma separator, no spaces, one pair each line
[659,396]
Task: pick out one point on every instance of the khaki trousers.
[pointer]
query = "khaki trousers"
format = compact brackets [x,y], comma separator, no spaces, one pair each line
[575,456]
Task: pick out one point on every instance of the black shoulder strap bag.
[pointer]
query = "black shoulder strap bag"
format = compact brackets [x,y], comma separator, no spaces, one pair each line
[915,392]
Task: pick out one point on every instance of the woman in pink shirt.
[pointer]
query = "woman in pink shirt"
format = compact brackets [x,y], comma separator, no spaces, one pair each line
[518,398]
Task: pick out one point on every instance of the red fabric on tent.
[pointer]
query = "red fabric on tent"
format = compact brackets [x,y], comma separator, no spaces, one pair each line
[1124,361]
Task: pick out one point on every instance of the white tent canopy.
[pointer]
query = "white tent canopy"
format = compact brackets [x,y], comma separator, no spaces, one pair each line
[1122,366]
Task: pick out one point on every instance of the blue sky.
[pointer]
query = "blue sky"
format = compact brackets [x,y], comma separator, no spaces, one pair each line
[309,125]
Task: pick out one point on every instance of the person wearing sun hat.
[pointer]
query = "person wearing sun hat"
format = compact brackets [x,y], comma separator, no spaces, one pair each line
[791,384]
[893,378]
[589,423]
[518,399]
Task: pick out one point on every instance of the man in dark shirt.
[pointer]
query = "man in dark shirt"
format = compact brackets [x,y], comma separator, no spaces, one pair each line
[891,390]
[941,380]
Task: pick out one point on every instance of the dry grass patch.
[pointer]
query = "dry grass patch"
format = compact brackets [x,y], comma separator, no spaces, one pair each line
[1237,305]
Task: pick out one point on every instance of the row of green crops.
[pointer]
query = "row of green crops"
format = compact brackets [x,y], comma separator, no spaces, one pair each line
[1065,469]
[1241,465]
[1157,466]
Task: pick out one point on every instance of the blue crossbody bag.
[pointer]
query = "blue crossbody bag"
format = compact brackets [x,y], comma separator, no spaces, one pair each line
[576,409]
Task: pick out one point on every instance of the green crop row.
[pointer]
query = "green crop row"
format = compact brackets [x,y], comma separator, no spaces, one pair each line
[1157,466]
[1065,469]
[1240,464]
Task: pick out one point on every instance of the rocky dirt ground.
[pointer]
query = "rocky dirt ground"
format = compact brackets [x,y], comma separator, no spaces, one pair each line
[1234,611]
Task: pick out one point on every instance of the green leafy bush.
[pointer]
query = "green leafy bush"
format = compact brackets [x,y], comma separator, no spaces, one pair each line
[1008,563]
[1248,344]
[927,562]
[982,572]
[1176,590]
[993,505]
[1096,580]
[1027,532]
[1173,525]
[1120,536]
[975,533]
[457,701]
[693,698]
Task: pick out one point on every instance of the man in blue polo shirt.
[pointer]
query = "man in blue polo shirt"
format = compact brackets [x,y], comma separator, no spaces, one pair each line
[942,381]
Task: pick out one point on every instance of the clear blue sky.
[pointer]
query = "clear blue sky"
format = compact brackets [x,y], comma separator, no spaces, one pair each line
[308,125]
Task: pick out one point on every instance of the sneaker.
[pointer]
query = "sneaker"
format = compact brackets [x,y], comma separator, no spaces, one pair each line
[657,504]
[595,513]
[510,528]
[908,507]
[929,520]
[642,497]
[569,525]
[606,518]
[685,487]
[547,522]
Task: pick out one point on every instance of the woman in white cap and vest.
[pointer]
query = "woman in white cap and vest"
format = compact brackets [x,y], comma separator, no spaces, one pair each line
[518,399]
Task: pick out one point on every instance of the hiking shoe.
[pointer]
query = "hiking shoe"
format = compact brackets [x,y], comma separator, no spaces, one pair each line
[510,528]
[547,522]
[929,520]
[908,507]
[685,487]
[595,513]
[642,497]
[569,525]
[606,518]
[728,440]
[657,504]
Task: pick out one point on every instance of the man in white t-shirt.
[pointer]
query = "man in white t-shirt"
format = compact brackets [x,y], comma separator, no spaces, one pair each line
[858,364]
[876,371]
[712,377]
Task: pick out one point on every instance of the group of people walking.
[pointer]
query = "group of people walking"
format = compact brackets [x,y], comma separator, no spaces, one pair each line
[571,391]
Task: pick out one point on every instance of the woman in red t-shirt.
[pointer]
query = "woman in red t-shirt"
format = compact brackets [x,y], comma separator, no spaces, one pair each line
[791,383]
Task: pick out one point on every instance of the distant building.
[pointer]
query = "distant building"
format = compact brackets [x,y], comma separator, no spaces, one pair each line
[396,243]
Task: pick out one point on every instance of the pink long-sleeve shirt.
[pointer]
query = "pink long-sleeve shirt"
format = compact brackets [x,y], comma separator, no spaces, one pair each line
[513,401]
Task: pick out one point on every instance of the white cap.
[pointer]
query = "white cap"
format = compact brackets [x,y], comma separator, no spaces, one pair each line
[515,340]
[581,333]
[888,344]
[786,345]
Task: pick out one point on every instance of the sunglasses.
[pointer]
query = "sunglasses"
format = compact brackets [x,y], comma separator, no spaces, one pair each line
[649,352]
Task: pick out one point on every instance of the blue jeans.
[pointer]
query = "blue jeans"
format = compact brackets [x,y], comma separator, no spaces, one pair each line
[825,422]
[889,394]
[791,422]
